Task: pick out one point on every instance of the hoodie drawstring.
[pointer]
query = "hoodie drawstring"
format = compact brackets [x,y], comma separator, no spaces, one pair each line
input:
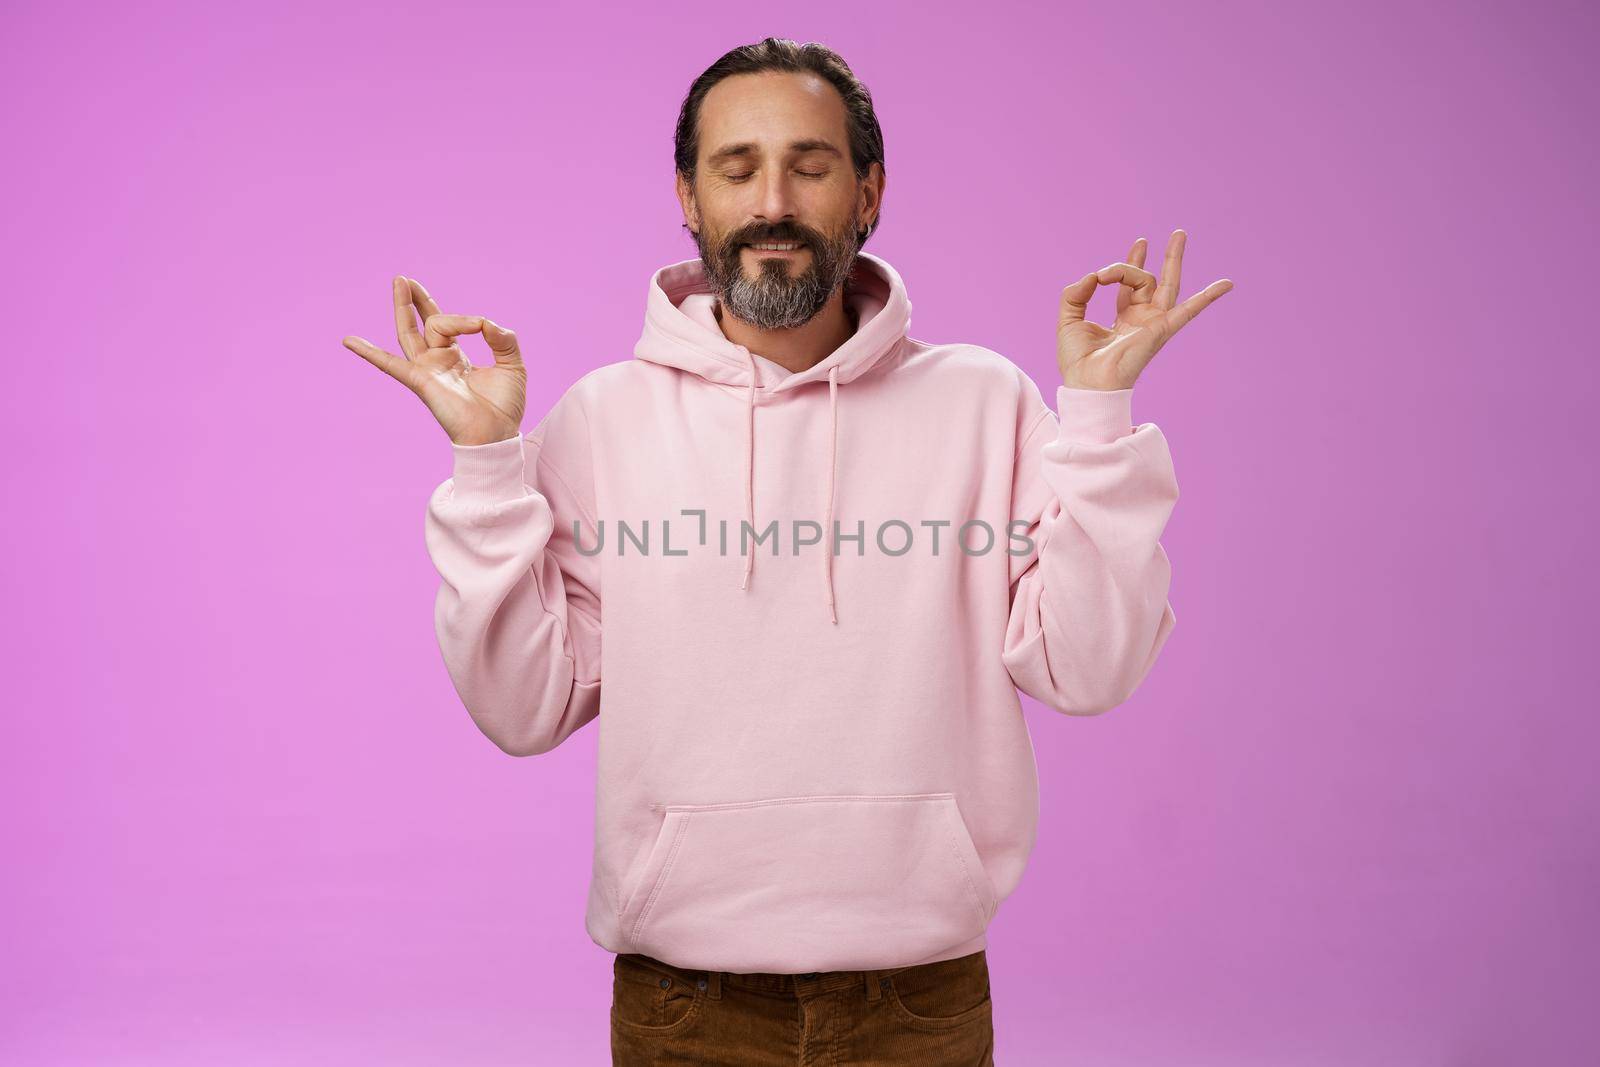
[750,481]
[750,473]
[833,459]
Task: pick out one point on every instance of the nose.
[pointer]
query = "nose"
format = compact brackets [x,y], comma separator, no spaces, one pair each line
[776,198]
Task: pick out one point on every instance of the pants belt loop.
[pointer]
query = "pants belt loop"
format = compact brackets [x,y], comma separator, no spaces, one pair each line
[874,990]
[714,984]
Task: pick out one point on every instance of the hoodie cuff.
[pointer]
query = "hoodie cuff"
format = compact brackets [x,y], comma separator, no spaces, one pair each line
[1093,416]
[488,474]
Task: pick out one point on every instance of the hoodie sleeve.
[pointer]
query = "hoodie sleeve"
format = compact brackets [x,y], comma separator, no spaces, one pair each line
[518,610]
[1089,611]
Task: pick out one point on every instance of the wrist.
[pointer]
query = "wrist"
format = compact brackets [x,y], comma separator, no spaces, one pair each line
[479,440]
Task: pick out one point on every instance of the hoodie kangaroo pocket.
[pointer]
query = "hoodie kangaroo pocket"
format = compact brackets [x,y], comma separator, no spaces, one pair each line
[808,883]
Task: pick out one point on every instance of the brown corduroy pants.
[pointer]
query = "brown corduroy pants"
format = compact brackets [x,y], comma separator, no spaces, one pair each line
[928,1015]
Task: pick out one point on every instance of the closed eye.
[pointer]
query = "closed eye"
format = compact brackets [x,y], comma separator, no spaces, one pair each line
[736,178]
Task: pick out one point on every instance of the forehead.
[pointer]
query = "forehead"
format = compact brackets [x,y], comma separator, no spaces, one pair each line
[770,110]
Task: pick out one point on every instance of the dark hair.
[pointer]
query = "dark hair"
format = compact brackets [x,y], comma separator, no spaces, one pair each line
[782,54]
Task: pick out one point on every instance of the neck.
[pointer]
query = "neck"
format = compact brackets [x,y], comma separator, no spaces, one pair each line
[801,347]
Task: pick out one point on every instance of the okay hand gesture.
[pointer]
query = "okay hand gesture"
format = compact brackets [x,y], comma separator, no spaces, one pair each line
[1148,313]
[475,405]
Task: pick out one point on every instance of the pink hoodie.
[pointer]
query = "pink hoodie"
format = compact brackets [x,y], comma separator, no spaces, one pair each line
[814,761]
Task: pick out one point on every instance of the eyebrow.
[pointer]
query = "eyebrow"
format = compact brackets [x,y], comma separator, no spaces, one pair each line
[749,148]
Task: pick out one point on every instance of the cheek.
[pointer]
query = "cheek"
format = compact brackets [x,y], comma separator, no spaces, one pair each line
[832,207]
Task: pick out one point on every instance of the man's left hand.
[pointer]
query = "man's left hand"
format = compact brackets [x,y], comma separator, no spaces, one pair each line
[1148,314]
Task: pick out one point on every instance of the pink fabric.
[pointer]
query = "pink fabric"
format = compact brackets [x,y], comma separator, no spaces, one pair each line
[818,763]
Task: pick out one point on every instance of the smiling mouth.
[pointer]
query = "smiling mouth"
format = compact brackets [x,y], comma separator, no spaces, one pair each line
[774,247]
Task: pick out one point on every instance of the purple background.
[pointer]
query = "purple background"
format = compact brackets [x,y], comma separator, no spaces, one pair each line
[1349,818]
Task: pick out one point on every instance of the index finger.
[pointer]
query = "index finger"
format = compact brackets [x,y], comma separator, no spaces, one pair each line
[1139,283]
[441,328]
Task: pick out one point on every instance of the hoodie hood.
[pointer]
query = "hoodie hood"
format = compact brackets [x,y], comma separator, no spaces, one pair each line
[681,331]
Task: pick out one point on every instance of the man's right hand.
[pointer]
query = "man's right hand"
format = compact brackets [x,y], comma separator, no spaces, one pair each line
[475,405]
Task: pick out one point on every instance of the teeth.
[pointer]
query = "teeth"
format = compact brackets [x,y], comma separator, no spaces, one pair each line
[776,247]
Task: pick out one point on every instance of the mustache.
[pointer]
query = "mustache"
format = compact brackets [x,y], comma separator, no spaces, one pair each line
[785,235]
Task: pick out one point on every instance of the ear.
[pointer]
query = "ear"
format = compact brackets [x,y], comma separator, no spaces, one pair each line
[870,198]
[691,211]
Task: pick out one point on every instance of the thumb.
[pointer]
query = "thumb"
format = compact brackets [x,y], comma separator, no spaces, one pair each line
[1075,299]
[503,343]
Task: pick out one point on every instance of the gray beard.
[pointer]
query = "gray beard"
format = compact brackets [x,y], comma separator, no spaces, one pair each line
[773,301]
